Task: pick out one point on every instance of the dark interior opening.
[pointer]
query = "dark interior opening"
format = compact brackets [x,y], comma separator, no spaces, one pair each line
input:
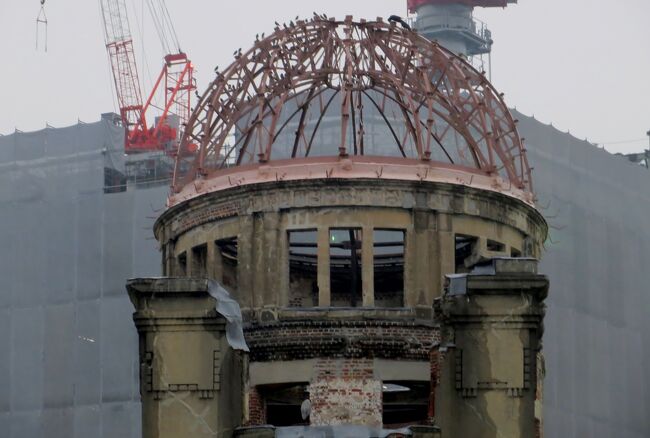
[283,403]
[227,249]
[494,246]
[345,267]
[388,261]
[182,264]
[114,181]
[514,252]
[405,403]
[200,261]
[466,247]
[303,268]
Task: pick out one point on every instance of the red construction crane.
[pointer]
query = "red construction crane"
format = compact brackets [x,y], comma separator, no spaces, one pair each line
[176,78]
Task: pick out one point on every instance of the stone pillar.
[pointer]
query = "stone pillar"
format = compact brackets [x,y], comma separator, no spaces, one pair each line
[191,380]
[491,334]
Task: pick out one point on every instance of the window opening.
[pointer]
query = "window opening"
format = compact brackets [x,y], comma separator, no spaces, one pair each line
[182,264]
[227,250]
[303,268]
[114,181]
[405,403]
[283,404]
[345,267]
[514,252]
[465,251]
[200,261]
[494,246]
[388,261]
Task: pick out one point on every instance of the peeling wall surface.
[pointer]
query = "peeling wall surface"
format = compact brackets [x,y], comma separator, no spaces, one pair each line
[69,362]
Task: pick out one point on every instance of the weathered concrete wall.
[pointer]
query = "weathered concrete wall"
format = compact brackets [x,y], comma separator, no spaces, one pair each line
[341,340]
[260,217]
[191,380]
[492,329]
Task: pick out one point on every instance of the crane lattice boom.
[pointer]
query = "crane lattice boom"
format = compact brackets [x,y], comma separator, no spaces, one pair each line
[176,76]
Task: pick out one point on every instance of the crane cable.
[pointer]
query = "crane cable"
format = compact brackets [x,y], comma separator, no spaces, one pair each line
[41,19]
[164,25]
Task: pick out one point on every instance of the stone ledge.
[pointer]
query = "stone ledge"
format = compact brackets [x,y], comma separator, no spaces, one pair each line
[420,315]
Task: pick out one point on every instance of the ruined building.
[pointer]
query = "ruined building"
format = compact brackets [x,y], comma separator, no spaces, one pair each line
[77,220]
[337,243]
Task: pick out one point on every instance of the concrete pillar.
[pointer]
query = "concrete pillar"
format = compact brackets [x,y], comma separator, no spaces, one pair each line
[491,335]
[445,248]
[324,297]
[214,262]
[368,267]
[270,258]
[245,257]
[191,380]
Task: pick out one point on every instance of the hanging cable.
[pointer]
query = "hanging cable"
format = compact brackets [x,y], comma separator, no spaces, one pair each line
[164,25]
[170,25]
[41,21]
[139,21]
[158,25]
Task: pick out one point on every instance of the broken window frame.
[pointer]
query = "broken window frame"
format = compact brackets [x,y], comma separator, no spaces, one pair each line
[309,261]
[462,253]
[228,252]
[199,266]
[396,403]
[399,301]
[353,296]
[277,398]
[181,263]
[495,246]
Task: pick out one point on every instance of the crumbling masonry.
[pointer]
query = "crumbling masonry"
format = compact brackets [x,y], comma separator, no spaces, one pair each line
[386,281]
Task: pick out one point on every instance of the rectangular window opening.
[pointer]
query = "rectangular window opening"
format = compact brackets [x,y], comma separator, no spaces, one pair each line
[388,262]
[200,261]
[515,253]
[283,403]
[182,264]
[494,246]
[465,252]
[345,267]
[227,251]
[303,268]
[405,403]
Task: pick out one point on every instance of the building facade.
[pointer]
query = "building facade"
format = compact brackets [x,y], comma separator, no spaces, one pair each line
[337,259]
[71,366]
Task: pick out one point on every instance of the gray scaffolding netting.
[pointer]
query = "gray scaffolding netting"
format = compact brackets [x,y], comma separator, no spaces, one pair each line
[70,366]
[597,339]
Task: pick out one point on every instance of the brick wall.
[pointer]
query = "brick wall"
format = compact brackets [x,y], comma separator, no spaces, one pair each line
[289,340]
[344,391]
[256,408]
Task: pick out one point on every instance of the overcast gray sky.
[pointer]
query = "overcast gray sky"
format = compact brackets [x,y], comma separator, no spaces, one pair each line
[583,65]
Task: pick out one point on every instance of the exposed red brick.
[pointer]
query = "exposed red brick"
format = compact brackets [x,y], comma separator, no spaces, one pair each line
[256,408]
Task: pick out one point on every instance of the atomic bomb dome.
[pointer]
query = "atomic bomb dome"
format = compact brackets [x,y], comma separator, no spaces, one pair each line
[345,174]
[350,99]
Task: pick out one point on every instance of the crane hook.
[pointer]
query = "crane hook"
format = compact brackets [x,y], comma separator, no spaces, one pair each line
[41,20]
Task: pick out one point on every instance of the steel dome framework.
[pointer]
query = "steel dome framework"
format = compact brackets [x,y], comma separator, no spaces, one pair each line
[434,105]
